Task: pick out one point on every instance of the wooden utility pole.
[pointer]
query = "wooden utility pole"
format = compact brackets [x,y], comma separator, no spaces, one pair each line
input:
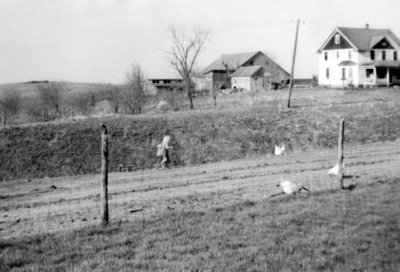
[340,153]
[104,175]
[293,61]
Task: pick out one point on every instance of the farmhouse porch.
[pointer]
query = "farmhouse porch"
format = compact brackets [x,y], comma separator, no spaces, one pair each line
[382,73]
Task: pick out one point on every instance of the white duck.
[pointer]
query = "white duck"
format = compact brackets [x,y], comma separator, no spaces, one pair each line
[289,188]
[279,150]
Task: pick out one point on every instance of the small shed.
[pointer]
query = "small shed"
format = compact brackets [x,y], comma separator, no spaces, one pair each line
[250,78]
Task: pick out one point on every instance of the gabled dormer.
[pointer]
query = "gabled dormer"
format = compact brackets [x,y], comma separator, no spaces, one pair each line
[336,41]
[383,43]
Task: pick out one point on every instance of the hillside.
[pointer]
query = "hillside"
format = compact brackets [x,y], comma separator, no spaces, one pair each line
[28,89]
[72,148]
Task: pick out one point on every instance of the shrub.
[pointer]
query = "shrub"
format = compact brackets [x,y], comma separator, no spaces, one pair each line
[162,106]
[175,99]
[10,104]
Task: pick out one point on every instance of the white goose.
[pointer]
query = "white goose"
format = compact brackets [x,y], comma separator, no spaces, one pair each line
[334,171]
[289,188]
[279,150]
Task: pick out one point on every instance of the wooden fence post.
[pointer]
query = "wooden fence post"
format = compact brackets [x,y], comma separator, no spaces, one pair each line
[340,153]
[3,119]
[104,175]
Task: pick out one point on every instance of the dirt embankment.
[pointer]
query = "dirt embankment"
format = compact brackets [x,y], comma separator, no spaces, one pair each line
[73,148]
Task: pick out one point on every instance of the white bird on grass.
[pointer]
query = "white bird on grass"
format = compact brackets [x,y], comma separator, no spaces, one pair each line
[279,150]
[290,188]
[334,171]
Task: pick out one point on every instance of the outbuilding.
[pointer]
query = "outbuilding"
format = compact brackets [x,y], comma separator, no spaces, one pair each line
[250,78]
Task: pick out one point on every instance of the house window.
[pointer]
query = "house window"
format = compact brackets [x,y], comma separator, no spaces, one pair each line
[327,73]
[349,54]
[383,55]
[394,55]
[337,39]
[372,54]
[343,73]
[337,54]
[326,55]
[369,73]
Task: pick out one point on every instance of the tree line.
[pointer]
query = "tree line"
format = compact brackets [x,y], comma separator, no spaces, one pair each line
[55,100]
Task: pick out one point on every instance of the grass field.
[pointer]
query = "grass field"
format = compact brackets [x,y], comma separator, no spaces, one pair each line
[217,216]
[212,211]
[329,231]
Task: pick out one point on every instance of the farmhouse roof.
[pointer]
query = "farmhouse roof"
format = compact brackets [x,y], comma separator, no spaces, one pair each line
[363,39]
[231,60]
[246,71]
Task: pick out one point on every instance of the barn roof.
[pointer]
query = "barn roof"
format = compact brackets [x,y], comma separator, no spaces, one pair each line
[246,71]
[231,60]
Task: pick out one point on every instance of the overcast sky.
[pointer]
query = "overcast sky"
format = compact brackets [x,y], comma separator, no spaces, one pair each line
[97,41]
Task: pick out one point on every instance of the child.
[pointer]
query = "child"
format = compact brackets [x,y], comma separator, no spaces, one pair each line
[164,150]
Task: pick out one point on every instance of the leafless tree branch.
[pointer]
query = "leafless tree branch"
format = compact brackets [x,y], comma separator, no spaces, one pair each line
[184,53]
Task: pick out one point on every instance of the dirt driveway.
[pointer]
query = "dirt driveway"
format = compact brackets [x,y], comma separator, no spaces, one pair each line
[61,204]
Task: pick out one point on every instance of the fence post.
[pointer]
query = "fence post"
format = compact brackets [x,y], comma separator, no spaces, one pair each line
[104,175]
[3,119]
[340,153]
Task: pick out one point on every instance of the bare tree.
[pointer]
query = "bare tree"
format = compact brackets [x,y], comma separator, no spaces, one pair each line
[133,96]
[81,103]
[112,94]
[230,67]
[10,104]
[183,55]
[51,99]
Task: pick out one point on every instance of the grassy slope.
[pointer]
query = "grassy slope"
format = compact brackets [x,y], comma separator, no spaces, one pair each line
[328,231]
[62,149]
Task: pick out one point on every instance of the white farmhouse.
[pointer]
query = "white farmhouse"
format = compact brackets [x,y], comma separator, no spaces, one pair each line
[359,57]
